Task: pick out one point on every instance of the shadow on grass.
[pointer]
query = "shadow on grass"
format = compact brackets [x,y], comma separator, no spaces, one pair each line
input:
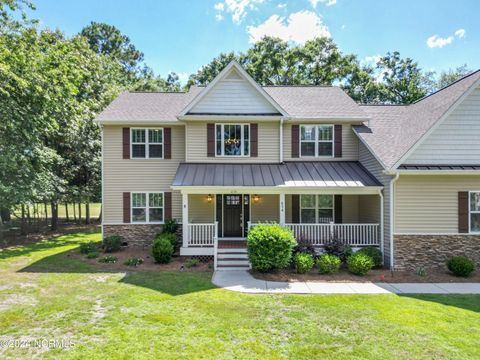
[461,301]
[168,282]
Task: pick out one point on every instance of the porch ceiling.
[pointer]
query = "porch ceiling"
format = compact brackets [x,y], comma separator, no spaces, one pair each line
[312,175]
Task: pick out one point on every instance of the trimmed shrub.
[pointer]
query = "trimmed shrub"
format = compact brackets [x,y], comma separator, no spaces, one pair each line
[337,248]
[134,262]
[108,259]
[86,248]
[192,263]
[112,243]
[374,253]
[460,266]
[270,247]
[304,246]
[328,264]
[303,262]
[359,264]
[170,226]
[93,254]
[172,238]
[162,250]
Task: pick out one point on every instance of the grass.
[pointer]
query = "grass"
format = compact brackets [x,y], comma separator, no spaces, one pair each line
[94,210]
[46,294]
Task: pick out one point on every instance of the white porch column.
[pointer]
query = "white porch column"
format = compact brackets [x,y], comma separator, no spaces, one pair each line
[185,219]
[382,240]
[282,208]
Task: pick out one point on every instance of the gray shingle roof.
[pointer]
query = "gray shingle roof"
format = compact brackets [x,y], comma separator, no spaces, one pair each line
[289,174]
[298,101]
[393,130]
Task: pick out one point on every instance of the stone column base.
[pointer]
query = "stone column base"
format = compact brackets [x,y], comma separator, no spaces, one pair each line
[433,251]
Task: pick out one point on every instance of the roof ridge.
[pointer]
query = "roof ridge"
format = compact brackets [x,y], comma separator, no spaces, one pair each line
[445,87]
[156,92]
[303,85]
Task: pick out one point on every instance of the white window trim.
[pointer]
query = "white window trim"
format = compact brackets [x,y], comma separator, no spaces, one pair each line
[242,148]
[147,207]
[317,207]
[316,141]
[147,143]
[470,212]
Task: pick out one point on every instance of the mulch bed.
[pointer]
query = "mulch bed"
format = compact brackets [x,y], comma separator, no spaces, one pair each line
[149,263]
[375,275]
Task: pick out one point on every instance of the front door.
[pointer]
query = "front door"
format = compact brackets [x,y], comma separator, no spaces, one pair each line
[232,215]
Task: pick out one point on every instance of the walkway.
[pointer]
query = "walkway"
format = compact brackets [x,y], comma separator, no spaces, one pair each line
[242,281]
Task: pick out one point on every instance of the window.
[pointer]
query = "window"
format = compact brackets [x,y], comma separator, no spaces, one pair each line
[147,143]
[316,140]
[144,211]
[232,140]
[475,211]
[316,209]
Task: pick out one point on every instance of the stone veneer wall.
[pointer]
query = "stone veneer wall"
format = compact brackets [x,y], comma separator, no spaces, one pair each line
[433,251]
[137,234]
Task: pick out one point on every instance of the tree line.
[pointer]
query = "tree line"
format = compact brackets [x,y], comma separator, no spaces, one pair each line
[52,87]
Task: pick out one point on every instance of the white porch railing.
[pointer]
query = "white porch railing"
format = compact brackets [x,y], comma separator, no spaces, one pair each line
[202,234]
[321,234]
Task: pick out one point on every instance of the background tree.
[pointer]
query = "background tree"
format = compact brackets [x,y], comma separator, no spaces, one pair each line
[451,75]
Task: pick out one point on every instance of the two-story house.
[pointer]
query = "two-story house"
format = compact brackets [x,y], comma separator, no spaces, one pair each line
[233,154]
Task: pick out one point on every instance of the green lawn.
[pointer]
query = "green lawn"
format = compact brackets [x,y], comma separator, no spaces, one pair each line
[94,210]
[45,294]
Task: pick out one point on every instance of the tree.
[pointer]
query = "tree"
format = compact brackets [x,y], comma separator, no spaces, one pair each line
[208,72]
[451,75]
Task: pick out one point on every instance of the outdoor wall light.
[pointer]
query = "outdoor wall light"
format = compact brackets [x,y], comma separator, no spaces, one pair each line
[256,198]
[209,198]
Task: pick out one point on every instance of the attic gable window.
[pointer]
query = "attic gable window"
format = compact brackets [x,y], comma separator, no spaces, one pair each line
[316,140]
[147,143]
[232,139]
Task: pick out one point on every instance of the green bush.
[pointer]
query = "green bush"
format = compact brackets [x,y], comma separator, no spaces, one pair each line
[112,243]
[170,226]
[162,250]
[303,262]
[134,262]
[93,254]
[359,263]
[460,265]
[86,248]
[108,259]
[328,264]
[374,253]
[192,263]
[338,248]
[172,238]
[270,247]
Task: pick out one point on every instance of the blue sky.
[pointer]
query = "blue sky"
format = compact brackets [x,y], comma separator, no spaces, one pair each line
[181,36]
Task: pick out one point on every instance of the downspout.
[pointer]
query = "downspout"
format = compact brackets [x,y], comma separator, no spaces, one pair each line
[281,140]
[392,204]
[382,232]
[102,208]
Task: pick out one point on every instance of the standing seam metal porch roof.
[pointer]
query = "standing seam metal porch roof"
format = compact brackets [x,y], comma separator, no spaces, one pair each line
[288,174]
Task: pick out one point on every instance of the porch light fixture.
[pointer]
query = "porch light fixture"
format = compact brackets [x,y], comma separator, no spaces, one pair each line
[256,198]
[209,198]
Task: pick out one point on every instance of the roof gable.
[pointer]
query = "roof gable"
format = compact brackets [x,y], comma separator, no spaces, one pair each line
[233,92]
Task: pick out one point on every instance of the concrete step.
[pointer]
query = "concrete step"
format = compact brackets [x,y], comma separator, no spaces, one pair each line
[231,251]
[232,267]
[232,256]
[241,262]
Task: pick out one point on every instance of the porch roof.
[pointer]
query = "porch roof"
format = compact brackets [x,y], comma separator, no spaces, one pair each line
[293,175]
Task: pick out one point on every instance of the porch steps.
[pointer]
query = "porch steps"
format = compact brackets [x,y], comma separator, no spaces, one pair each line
[232,259]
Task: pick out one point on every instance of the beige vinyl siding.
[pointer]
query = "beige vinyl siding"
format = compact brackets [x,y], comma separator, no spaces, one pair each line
[200,211]
[369,209]
[234,95]
[429,204]
[268,143]
[266,209]
[456,139]
[349,145]
[140,175]
[350,209]
[376,169]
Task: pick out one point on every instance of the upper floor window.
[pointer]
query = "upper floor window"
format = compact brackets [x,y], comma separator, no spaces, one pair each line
[147,143]
[315,209]
[147,207]
[232,139]
[475,211]
[316,140]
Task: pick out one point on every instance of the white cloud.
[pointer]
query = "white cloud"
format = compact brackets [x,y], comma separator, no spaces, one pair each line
[299,27]
[326,2]
[343,27]
[183,77]
[460,33]
[282,6]
[371,60]
[436,41]
[238,9]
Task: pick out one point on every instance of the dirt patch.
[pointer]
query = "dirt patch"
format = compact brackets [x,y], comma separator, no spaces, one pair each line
[375,275]
[15,300]
[178,263]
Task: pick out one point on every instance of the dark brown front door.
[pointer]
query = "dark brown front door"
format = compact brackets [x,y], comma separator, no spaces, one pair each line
[232,215]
